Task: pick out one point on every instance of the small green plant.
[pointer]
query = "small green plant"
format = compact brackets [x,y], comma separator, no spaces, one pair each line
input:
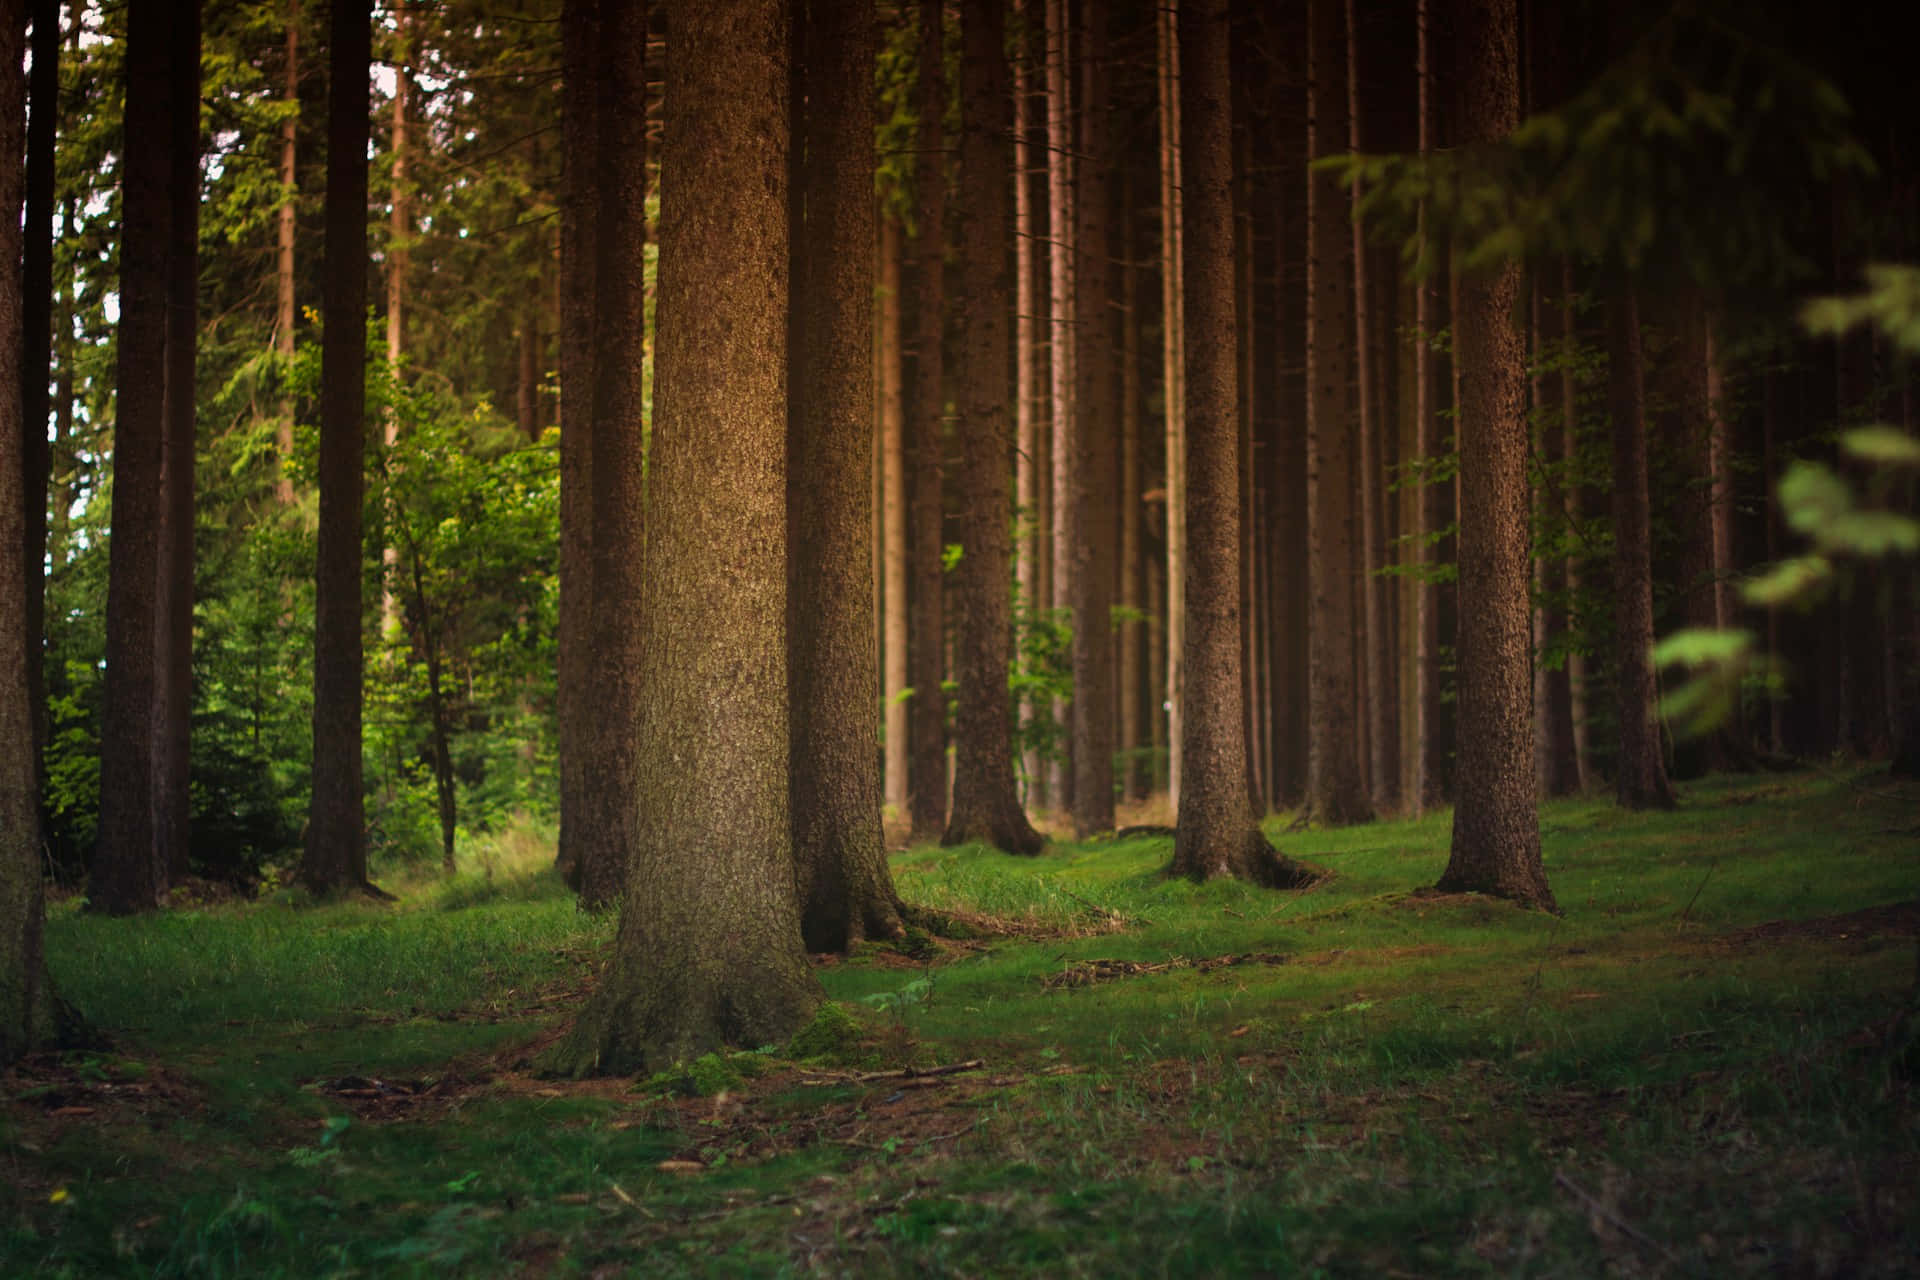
[833,1037]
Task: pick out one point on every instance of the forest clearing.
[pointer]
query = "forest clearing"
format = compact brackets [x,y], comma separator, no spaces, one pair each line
[1707,1066]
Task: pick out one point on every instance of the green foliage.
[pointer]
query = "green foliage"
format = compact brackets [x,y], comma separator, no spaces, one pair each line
[833,1037]
[1042,672]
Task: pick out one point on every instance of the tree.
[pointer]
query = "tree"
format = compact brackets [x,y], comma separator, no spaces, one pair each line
[617,484]
[709,948]
[36,346]
[1096,453]
[1173,398]
[285,230]
[130,869]
[840,860]
[1064,410]
[335,859]
[985,805]
[1216,834]
[926,629]
[1336,788]
[26,1000]
[1496,827]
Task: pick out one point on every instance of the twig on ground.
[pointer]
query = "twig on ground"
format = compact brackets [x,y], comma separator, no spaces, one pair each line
[1619,1223]
[899,1073]
[1711,867]
[1110,912]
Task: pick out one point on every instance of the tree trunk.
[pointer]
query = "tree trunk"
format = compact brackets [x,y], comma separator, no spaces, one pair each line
[579,209]
[1556,756]
[399,232]
[1429,741]
[1173,395]
[1496,826]
[26,999]
[1216,833]
[617,485]
[1095,450]
[926,629]
[840,860]
[173,598]
[1030,538]
[1641,771]
[709,950]
[985,804]
[1336,787]
[1579,505]
[890,527]
[129,872]
[1062,350]
[1137,779]
[36,349]
[336,850]
[284,222]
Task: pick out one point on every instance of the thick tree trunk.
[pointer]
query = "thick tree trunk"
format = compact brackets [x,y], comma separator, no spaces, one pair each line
[709,950]
[617,484]
[1336,787]
[26,1000]
[36,350]
[840,861]
[1641,771]
[129,871]
[890,526]
[579,209]
[336,849]
[1173,395]
[284,223]
[985,804]
[173,599]
[1096,453]
[1216,834]
[926,628]
[1496,826]
[1137,778]
[1062,351]
[1030,545]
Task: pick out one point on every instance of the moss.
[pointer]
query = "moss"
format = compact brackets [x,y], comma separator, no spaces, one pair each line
[832,1036]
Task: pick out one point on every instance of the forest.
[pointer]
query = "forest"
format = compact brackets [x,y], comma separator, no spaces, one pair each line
[958,636]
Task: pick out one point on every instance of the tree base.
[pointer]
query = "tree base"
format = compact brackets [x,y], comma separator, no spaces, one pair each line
[1252,858]
[1523,887]
[1005,827]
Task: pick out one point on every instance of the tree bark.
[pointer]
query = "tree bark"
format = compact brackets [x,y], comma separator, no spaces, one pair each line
[1641,771]
[1029,435]
[1216,833]
[1062,350]
[336,851]
[26,999]
[709,951]
[617,484]
[129,871]
[399,232]
[891,525]
[36,349]
[1429,741]
[840,860]
[284,226]
[1556,757]
[1173,395]
[579,209]
[1496,826]
[173,598]
[1137,778]
[1096,456]
[1336,787]
[926,629]
[985,804]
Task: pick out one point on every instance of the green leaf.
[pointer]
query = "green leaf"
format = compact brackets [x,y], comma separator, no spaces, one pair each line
[1873,533]
[1813,497]
[1883,444]
[1788,581]
[1702,647]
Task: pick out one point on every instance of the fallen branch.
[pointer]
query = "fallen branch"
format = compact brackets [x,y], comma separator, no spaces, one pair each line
[1619,1223]
[900,1073]
[1088,972]
[1109,912]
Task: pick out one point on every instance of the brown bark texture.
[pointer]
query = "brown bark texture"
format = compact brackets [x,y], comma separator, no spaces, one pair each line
[1062,352]
[26,1001]
[1640,770]
[1556,750]
[1496,826]
[926,626]
[579,210]
[1216,833]
[1429,741]
[36,348]
[284,239]
[336,851]
[840,860]
[129,872]
[1172,397]
[986,807]
[708,952]
[1095,450]
[616,486]
[173,599]
[1336,786]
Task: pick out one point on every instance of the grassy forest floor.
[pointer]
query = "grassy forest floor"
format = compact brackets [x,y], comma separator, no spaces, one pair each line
[1708,1066]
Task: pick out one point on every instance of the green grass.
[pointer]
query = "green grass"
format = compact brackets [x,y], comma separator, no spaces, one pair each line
[1398,1083]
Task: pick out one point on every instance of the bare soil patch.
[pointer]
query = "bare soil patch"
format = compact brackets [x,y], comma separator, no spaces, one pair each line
[1899,919]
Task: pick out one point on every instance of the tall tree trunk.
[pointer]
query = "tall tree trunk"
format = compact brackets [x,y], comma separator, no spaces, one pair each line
[129,872]
[36,349]
[284,221]
[985,804]
[1336,786]
[1579,503]
[1496,826]
[336,850]
[891,525]
[1062,350]
[886,427]
[926,629]
[173,598]
[1173,394]
[1096,454]
[579,209]
[1641,771]
[617,486]
[26,999]
[1429,742]
[709,950]
[1556,759]
[1137,780]
[399,232]
[840,861]
[1030,541]
[1216,833]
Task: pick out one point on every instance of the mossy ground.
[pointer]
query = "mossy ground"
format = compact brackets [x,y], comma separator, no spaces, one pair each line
[1706,1066]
